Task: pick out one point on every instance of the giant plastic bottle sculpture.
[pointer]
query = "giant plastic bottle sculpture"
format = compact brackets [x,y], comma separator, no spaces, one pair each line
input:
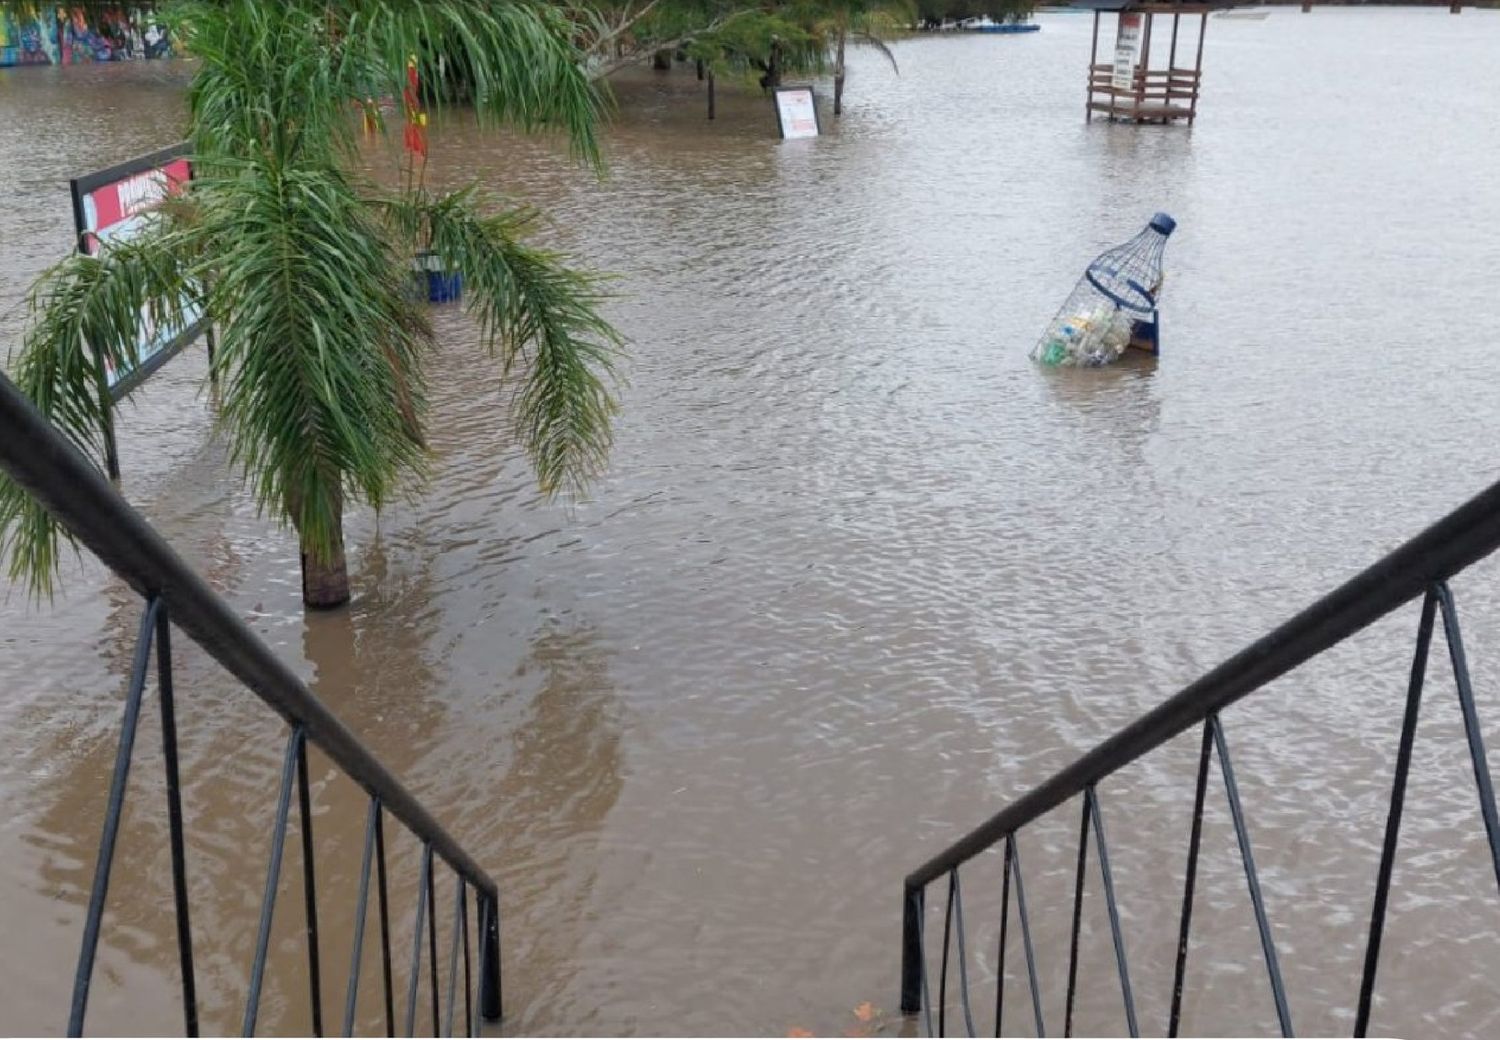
[1113,306]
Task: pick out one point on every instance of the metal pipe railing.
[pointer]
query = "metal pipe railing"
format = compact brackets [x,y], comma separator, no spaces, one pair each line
[1419,568]
[1462,537]
[43,462]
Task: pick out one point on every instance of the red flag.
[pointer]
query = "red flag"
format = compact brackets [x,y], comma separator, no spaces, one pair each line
[415,137]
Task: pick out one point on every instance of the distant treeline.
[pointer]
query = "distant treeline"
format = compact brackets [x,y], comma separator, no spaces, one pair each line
[932,13]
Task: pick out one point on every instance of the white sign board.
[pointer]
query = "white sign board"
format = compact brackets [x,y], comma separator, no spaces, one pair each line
[1127,46]
[796,112]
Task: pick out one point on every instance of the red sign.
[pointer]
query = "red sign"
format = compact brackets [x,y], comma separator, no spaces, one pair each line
[116,209]
[115,205]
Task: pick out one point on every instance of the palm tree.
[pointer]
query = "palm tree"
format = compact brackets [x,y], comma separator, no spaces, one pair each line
[303,265]
[864,23]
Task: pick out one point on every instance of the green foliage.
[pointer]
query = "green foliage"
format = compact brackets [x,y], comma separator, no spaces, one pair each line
[81,304]
[537,315]
[744,45]
[305,267]
[738,36]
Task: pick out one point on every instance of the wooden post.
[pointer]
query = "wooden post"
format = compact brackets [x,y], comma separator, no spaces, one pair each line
[1172,57]
[700,70]
[1143,68]
[1198,68]
[710,93]
[1088,104]
[1306,7]
[1455,9]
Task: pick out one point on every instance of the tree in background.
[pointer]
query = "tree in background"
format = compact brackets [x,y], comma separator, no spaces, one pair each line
[304,266]
[867,23]
[763,46]
[762,41]
[727,35]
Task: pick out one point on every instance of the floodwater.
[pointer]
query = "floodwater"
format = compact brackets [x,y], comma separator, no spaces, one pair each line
[859,573]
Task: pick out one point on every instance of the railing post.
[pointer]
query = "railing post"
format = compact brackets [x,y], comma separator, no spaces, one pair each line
[114,809]
[174,822]
[911,950]
[489,980]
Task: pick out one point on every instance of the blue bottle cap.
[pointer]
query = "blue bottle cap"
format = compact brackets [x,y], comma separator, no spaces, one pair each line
[1163,223]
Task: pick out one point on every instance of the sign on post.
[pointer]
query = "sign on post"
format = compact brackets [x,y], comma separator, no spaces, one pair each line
[796,112]
[1127,46]
[114,205]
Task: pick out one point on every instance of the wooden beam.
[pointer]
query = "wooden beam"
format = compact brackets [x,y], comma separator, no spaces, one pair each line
[1171,8]
[1198,65]
[1145,65]
[1088,105]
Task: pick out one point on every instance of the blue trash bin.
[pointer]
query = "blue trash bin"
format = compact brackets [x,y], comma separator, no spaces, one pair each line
[442,286]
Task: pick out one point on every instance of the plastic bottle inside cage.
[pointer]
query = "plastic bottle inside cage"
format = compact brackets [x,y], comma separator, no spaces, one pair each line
[1113,306]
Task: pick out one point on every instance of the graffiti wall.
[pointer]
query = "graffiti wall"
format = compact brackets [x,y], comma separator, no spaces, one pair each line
[70,36]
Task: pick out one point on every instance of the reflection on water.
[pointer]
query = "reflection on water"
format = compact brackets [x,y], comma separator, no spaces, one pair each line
[859,572]
[564,777]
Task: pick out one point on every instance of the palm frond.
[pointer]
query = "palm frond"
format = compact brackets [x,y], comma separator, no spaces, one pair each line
[286,76]
[539,317]
[515,61]
[84,316]
[320,354]
[319,348]
[868,39]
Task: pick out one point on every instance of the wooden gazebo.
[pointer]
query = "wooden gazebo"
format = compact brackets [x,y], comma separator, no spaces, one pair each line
[1142,82]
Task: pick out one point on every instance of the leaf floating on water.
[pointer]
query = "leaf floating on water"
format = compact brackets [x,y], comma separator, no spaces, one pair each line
[865,1012]
[798,1031]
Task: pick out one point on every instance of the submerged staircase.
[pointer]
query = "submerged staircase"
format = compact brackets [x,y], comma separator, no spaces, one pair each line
[1419,570]
[42,461]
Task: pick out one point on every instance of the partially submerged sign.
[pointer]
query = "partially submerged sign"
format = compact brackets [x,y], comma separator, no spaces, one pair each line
[114,205]
[1127,46]
[796,112]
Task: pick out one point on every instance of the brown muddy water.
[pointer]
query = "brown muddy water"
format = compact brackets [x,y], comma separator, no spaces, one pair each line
[859,572]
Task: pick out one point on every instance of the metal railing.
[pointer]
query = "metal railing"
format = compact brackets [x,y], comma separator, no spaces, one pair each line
[1420,568]
[42,461]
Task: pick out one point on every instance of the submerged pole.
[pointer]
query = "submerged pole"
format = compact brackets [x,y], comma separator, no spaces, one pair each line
[1143,70]
[1198,69]
[1088,104]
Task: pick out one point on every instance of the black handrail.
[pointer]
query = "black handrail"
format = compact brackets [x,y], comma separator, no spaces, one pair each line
[42,461]
[1419,568]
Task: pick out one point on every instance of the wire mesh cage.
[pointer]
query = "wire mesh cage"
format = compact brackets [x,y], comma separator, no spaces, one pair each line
[1113,306]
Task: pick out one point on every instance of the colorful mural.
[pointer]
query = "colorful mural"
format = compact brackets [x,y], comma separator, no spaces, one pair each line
[27,41]
[71,36]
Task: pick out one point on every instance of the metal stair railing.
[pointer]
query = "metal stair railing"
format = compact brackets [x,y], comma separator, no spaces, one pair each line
[41,460]
[1420,568]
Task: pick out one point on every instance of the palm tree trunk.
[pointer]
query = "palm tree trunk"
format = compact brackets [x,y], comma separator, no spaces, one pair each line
[838,76]
[325,577]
